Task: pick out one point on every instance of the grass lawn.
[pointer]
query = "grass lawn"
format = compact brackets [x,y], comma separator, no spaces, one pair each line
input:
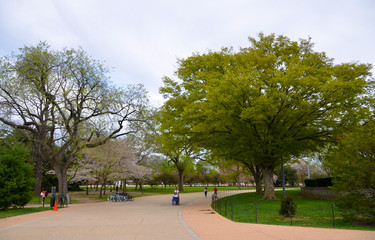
[20,211]
[310,212]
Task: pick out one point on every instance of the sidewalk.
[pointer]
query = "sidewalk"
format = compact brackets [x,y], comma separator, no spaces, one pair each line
[209,225]
[146,218]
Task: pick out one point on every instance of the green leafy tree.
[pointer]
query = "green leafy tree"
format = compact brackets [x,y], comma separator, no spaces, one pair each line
[16,176]
[290,176]
[352,160]
[268,102]
[352,163]
[175,143]
[166,178]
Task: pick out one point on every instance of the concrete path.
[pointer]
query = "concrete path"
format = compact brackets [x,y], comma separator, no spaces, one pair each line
[144,218]
[154,218]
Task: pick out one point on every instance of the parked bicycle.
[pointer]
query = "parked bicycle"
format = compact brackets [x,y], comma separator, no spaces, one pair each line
[120,197]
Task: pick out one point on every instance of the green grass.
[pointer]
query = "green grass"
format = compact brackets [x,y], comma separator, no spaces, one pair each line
[20,211]
[310,212]
[38,200]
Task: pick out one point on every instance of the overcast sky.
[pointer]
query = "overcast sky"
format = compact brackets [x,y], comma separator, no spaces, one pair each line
[141,40]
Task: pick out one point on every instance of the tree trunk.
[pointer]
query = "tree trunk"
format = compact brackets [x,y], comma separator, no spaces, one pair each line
[105,185]
[62,180]
[97,180]
[39,168]
[38,175]
[101,188]
[258,185]
[257,174]
[269,188]
[181,180]
[87,187]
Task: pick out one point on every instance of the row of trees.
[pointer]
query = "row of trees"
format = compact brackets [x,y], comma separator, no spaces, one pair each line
[257,108]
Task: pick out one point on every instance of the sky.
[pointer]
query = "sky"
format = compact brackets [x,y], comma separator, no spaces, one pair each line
[141,41]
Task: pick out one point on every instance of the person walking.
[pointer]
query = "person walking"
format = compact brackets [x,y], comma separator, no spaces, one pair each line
[205,191]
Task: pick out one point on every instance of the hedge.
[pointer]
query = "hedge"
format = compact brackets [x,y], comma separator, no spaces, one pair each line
[319,182]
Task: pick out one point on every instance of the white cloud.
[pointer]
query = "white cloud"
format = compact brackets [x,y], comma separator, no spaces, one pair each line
[142,40]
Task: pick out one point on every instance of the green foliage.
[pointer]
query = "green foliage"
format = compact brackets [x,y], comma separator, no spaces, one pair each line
[357,207]
[194,178]
[275,99]
[288,207]
[352,163]
[318,182]
[352,160]
[75,186]
[48,181]
[290,176]
[16,177]
[166,179]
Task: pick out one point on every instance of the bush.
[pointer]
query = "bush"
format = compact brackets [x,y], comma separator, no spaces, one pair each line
[288,207]
[357,207]
[16,176]
[75,186]
[319,182]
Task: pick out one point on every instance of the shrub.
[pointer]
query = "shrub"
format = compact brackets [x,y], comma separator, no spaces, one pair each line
[16,177]
[75,186]
[288,207]
[357,207]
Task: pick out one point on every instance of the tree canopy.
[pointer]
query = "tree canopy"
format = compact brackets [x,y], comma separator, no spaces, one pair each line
[65,101]
[270,101]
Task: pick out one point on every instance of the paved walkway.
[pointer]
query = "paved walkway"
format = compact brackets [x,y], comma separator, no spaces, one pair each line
[154,218]
[208,225]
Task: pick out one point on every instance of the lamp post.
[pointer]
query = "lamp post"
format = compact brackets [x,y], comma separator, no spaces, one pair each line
[308,171]
[283,177]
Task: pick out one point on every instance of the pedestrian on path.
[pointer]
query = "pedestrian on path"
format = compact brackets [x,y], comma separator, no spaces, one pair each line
[205,191]
[176,197]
